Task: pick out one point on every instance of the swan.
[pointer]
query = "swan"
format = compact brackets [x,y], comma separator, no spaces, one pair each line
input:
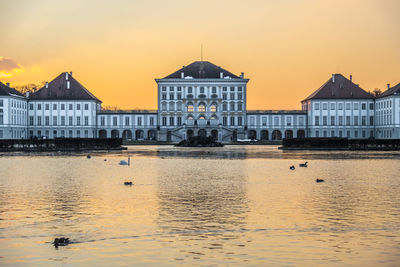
[124,162]
[303,164]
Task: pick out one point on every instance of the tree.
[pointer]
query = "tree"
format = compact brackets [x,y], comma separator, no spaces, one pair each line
[29,87]
[376,92]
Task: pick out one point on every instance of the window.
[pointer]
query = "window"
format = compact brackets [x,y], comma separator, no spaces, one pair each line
[224,88]
[202,108]
[62,106]
[363,106]
[224,107]
[316,106]
[355,134]
[54,120]
[86,133]
[86,106]
[239,96]
[179,88]
[39,106]
[115,121]
[332,106]
[214,90]
[54,106]
[363,120]
[332,120]
[347,120]
[276,121]
[288,121]
[179,121]
[340,120]
[190,90]
[171,106]
[232,88]
[171,88]
[213,108]
[171,96]
[356,120]
[371,106]
[355,106]
[371,120]
[179,96]
[232,96]
[239,88]
[239,121]
[164,121]
[190,108]
[325,106]
[201,90]
[252,121]
[232,121]
[47,107]
[31,120]
[324,120]
[39,121]
[347,106]
[224,96]
[179,106]
[316,120]
[316,133]
[239,106]
[301,121]
[340,106]
[151,121]
[62,120]
[171,121]
[332,133]
[139,121]
[31,106]
[224,121]
[78,106]
[78,121]
[163,106]
[102,121]
[164,88]
[264,121]
[164,97]
[78,133]
[47,120]
[232,106]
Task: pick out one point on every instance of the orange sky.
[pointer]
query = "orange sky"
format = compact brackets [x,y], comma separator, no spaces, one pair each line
[116,48]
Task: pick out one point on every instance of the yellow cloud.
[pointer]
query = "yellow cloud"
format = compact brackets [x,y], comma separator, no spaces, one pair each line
[9,67]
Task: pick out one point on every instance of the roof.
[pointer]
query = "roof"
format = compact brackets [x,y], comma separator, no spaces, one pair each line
[201,70]
[391,91]
[57,90]
[258,112]
[6,91]
[339,87]
[130,111]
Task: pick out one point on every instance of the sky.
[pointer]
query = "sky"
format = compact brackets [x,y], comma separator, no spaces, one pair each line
[116,49]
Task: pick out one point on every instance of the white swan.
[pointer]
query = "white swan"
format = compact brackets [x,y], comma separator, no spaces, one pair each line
[124,162]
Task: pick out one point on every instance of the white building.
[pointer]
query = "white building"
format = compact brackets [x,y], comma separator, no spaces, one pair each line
[199,99]
[340,108]
[13,105]
[387,113]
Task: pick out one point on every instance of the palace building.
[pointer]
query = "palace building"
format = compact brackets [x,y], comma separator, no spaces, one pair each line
[199,99]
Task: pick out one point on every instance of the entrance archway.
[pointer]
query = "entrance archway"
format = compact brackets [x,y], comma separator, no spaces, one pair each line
[139,135]
[276,135]
[301,134]
[102,134]
[127,134]
[114,134]
[214,134]
[202,133]
[252,135]
[264,135]
[288,134]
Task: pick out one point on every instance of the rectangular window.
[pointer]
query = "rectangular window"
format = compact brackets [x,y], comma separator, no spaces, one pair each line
[316,106]
[139,121]
[239,88]
[316,133]
[39,106]
[356,120]
[70,120]
[363,120]
[54,106]
[332,120]
[239,96]
[86,106]
[224,107]
[252,121]
[151,121]
[239,121]
[171,96]
[348,134]
[70,133]
[78,133]
[127,121]
[78,121]
[115,121]
[332,133]
[39,121]
[54,120]
[179,96]
[347,106]
[340,120]
[347,120]
[86,120]
[232,106]
[332,106]
[340,106]
[164,88]
[78,106]
[232,96]
[363,106]
[224,121]
[239,106]
[288,121]
[171,121]
[355,106]
[371,106]
[179,88]
[214,90]
[316,120]
[224,97]
[179,122]
[301,121]
[47,120]
[355,134]
[371,120]
[232,121]
[31,120]
[70,107]
[164,121]
[47,107]
[164,97]
[276,121]
[232,88]
[31,106]
[102,121]
[62,106]
[201,90]
[264,121]
[171,88]
[190,90]
[62,120]
[325,106]
[325,120]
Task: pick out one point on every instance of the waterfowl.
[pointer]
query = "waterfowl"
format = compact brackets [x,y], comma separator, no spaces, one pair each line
[124,162]
[303,164]
[292,167]
[127,183]
[88,156]
[320,180]
[62,241]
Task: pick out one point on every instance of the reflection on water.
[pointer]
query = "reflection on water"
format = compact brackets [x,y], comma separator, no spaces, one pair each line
[237,205]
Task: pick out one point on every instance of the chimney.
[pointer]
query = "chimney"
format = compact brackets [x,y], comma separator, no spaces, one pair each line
[221,75]
[388,85]
[182,75]
[351,78]
[333,78]
[47,84]
[68,84]
[66,76]
[242,75]
[8,84]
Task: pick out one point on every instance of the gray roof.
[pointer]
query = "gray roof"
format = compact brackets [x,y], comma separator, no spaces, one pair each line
[341,88]
[6,91]
[57,90]
[391,91]
[201,70]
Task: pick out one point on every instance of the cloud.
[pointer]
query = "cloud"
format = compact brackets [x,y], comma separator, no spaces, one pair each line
[9,67]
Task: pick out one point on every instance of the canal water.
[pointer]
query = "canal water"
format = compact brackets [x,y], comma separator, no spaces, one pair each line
[231,206]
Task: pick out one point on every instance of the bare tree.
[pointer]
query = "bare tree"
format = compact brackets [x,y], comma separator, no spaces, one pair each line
[376,92]
[29,87]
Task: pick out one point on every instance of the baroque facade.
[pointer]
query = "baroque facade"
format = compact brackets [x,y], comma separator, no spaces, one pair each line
[199,99]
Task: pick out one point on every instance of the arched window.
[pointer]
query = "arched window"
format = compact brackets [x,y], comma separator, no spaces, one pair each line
[202,117]
[190,107]
[213,108]
[202,108]
[213,117]
[190,117]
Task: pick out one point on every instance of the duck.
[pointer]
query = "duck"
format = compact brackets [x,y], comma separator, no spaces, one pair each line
[128,183]
[319,180]
[88,156]
[62,241]
[292,167]
[303,164]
